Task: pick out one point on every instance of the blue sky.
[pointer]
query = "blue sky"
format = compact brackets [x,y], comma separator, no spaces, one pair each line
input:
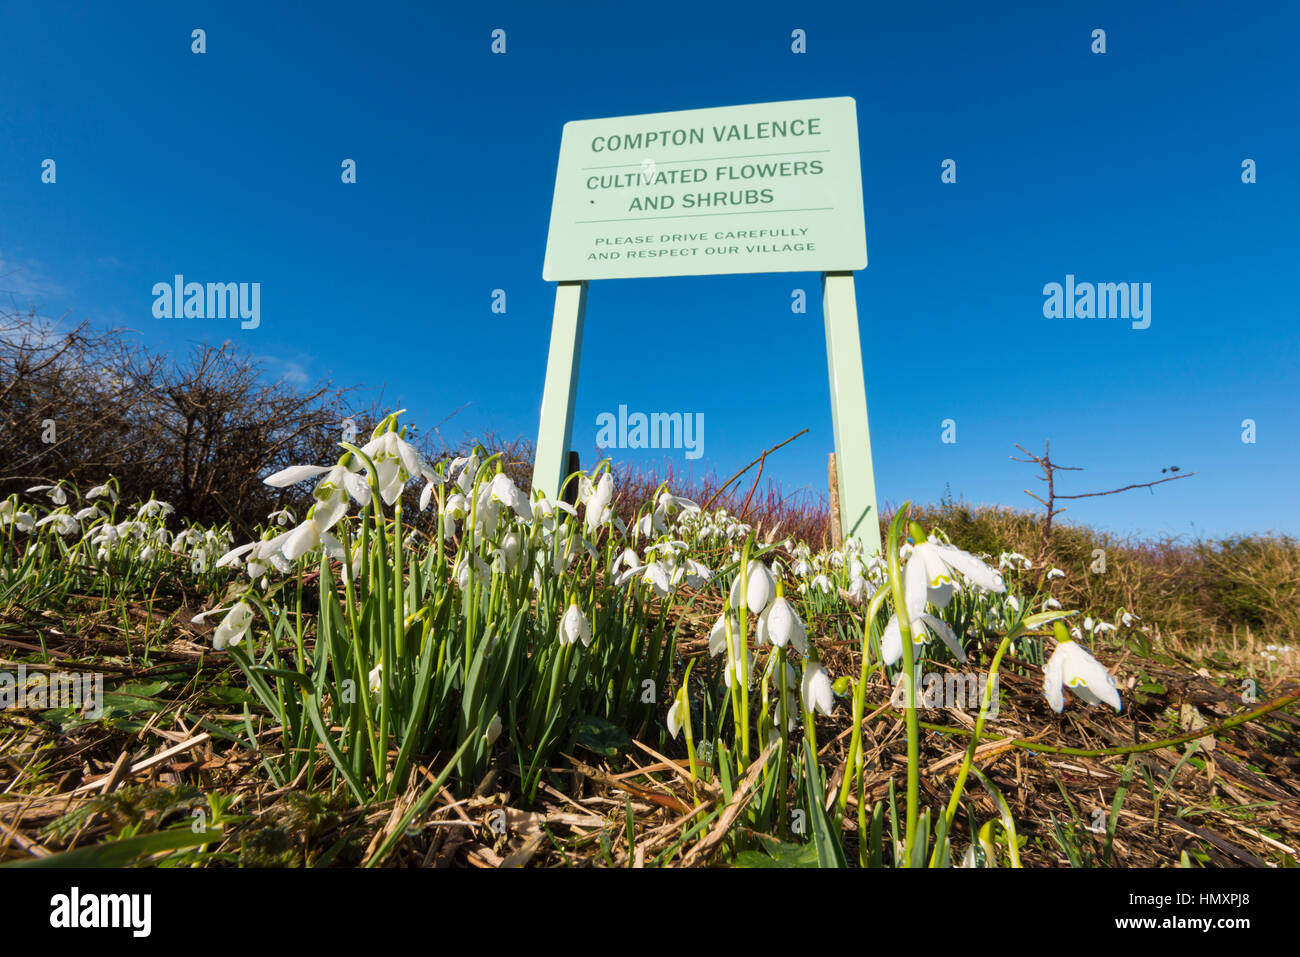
[1115,168]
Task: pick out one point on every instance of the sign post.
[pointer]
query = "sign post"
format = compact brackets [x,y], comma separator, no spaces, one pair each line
[550,463]
[766,187]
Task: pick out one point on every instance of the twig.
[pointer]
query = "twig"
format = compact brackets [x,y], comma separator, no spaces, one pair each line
[723,487]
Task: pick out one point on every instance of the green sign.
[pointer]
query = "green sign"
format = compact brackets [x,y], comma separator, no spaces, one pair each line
[768,187]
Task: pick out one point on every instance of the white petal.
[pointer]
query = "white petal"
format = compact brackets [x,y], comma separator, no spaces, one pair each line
[295,474]
[940,627]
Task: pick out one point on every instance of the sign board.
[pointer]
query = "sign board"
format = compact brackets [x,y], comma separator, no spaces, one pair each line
[769,187]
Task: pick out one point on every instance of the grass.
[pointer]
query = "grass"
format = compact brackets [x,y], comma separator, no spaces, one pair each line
[189,767]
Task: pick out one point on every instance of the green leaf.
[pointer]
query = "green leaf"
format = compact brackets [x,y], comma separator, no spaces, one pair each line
[124,852]
[602,737]
[778,854]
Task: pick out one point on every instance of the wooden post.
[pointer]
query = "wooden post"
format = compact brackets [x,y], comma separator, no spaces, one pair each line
[833,484]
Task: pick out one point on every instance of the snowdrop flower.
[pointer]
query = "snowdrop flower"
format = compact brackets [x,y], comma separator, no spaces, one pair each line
[90,511]
[375,680]
[718,633]
[784,627]
[574,626]
[504,491]
[154,509]
[57,495]
[677,714]
[822,583]
[1071,666]
[656,575]
[102,491]
[1052,603]
[300,541]
[545,510]
[468,471]
[396,461]
[924,625]
[1055,573]
[426,495]
[233,628]
[493,730]
[626,557]
[815,690]
[759,587]
[468,566]
[940,563]
[597,504]
[281,517]
[689,571]
[510,549]
[738,666]
[67,526]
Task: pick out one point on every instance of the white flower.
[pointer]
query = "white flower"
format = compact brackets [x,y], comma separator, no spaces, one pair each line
[597,504]
[233,627]
[396,461]
[574,626]
[718,634]
[891,642]
[154,508]
[677,715]
[815,689]
[57,495]
[102,491]
[292,475]
[504,491]
[1071,666]
[468,471]
[940,563]
[282,517]
[493,730]
[655,574]
[784,626]
[759,587]
[67,524]
[376,678]
[294,543]
[1055,573]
